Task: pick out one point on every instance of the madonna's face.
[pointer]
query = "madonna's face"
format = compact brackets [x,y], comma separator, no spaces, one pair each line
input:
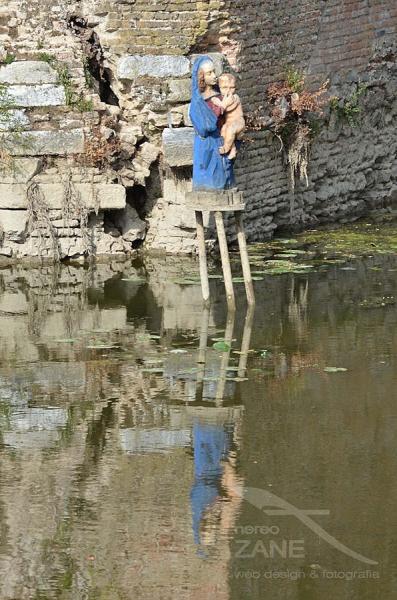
[209,75]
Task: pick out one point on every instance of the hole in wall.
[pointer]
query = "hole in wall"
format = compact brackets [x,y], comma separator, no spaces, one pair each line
[96,74]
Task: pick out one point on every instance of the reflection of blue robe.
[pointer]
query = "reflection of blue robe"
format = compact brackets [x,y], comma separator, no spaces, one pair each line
[211,446]
[211,170]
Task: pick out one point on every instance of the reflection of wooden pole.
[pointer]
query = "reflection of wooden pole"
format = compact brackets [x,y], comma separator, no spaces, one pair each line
[202,353]
[249,288]
[220,390]
[202,256]
[227,272]
[245,344]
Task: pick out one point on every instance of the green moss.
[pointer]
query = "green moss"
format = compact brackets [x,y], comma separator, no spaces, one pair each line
[321,249]
[357,240]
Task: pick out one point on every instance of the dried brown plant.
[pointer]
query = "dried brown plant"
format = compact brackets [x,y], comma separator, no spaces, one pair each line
[98,152]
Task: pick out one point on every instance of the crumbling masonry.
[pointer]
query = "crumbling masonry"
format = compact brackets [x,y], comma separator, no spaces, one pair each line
[94,87]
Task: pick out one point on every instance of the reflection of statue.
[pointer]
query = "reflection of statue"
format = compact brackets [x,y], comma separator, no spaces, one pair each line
[234,123]
[211,170]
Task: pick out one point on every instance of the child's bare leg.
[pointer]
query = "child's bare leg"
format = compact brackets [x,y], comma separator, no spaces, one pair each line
[233,152]
[228,140]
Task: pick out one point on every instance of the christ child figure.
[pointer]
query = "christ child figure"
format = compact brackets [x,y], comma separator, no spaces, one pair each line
[234,123]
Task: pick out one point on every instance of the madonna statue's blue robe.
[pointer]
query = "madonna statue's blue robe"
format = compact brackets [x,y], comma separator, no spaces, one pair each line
[211,170]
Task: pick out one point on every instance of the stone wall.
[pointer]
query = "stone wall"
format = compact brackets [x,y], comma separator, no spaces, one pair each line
[129,65]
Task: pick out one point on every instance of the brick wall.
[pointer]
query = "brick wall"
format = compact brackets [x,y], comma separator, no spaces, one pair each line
[351,170]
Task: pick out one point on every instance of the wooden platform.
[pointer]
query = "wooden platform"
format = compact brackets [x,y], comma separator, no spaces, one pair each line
[222,200]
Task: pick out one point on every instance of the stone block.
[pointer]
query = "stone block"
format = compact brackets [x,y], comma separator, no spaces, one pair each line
[21,171]
[106,195]
[35,143]
[146,155]
[31,72]
[177,213]
[134,66]
[37,95]
[13,223]
[180,90]
[178,146]
[6,251]
[13,303]
[13,119]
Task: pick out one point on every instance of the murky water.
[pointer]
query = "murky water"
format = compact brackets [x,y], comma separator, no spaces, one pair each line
[131,447]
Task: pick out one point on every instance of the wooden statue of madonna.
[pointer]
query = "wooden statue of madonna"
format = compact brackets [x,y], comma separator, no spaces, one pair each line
[218,121]
[217,117]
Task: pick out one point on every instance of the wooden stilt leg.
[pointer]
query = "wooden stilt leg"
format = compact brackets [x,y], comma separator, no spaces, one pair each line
[227,272]
[220,389]
[249,288]
[202,353]
[202,256]
[245,344]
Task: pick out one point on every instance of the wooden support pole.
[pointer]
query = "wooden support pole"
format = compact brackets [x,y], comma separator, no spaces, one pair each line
[220,389]
[202,257]
[201,359]
[227,271]
[246,341]
[249,287]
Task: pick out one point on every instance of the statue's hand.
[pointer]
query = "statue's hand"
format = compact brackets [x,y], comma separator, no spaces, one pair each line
[228,100]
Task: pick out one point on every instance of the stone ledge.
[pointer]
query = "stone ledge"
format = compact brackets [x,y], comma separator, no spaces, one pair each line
[37,95]
[160,66]
[109,196]
[13,223]
[178,146]
[29,72]
[133,66]
[36,143]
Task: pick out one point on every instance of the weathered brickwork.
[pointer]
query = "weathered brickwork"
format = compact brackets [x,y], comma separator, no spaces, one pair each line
[139,55]
[352,171]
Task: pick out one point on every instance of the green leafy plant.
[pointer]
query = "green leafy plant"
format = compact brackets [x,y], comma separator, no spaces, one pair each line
[87,73]
[295,80]
[72,98]
[11,128]
[10,58]
[65,80]
[48,58]
[84,104]
[349,108]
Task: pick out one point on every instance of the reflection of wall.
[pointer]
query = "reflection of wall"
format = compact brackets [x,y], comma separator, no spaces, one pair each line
[182,304]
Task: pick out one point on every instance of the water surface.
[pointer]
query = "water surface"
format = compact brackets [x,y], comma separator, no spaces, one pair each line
[128,440]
